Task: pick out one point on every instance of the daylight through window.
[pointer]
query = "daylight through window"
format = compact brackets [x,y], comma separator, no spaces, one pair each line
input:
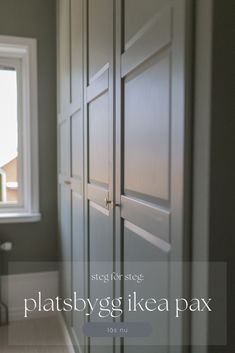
[9,183]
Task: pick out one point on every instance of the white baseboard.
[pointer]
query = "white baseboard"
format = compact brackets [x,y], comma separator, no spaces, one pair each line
[16,288]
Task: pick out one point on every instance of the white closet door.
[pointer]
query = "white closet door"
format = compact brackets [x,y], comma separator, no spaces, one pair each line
[152,166]
[99,161]
[71,156]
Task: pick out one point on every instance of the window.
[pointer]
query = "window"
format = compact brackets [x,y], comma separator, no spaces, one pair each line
[8,135]
[19,200]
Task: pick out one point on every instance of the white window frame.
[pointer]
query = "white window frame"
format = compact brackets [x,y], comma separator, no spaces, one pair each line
[21,53]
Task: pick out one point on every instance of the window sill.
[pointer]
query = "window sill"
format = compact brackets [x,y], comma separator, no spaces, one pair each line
[19,217]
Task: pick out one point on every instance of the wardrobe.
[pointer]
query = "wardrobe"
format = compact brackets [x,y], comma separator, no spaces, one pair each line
[124,146]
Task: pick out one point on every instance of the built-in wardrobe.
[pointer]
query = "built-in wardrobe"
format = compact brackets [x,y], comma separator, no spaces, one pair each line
[123,153]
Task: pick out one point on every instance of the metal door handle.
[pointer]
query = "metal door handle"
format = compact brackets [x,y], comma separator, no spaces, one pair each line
[108,202]
[111,203]
[67,182]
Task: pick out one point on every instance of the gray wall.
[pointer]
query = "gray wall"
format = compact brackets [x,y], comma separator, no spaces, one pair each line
[37,242]
[222,191]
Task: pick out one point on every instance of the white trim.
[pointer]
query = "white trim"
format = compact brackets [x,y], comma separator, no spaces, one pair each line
[23,51]
[16,288]
[20,217]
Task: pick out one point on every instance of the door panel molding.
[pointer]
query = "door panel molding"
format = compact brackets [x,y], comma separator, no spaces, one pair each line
[154,219]
[98,86]
[149,42]
[151,238]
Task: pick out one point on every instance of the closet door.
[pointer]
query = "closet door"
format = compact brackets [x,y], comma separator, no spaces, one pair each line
[77,159]
[151,159]
[70,143]
[64,165]
[99,151]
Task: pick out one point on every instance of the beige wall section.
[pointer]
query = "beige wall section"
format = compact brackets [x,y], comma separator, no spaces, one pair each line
[11,170]
[11,177]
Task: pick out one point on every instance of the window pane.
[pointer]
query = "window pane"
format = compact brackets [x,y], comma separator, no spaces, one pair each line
[8,136]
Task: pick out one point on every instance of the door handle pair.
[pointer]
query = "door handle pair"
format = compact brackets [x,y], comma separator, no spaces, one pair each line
[109,203]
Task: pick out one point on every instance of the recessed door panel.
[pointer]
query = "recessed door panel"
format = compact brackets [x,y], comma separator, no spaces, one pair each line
[63,146]
[138,15]
[100,23]
[101,240]
[63,55]
[98,115]
[151,262]
[146,127]
[78,278]
[65,245]
[76,145]
[100,262]
[76,52]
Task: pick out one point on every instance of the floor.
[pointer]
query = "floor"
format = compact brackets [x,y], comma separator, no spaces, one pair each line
[33,336]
